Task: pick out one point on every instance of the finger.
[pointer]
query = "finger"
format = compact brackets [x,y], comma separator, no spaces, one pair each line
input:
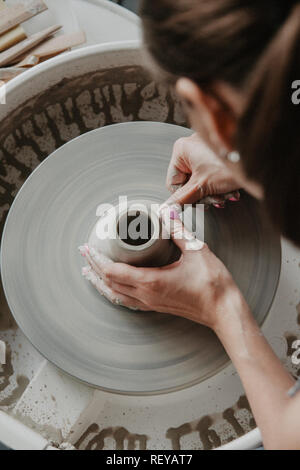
[189,193]
[93,265]
[131,293]
[179,171]
[220,202]
[185,240]
[123,289]
[97,259]
[213,200]
[110,271]
[90,275]
[115,297]
[174,187]
[123,274]
[233,196]
[175,177]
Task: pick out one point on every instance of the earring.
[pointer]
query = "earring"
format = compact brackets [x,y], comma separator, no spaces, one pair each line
[233,157]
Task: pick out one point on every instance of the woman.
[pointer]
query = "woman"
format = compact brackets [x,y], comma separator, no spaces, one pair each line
[233,63]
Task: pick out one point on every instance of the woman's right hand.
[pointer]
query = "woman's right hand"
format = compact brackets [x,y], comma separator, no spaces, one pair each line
[196,174]
[198,286]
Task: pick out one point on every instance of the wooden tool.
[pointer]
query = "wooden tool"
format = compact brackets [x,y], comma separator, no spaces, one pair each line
[52,47]
[13,36]
[9,55]
[8,73]
[14,15]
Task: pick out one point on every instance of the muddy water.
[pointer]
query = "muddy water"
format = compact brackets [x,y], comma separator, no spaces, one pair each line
[119,435]
[207,428]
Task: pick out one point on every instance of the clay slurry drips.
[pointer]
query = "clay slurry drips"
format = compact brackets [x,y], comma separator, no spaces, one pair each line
[135,230]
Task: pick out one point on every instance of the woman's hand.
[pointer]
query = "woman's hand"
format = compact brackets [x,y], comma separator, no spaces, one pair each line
[200,288]
[196,174]
[197,287]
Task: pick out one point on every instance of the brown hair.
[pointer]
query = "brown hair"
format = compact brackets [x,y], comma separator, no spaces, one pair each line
[254,45]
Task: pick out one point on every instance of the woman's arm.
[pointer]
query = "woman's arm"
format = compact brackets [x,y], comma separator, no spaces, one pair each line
[194,168]
[264,378]
[200,288]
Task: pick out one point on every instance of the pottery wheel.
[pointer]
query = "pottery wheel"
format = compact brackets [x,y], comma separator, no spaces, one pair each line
[61,313]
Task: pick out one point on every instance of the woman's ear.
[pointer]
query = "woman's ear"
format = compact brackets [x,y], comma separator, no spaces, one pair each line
[208,116]
[214,119]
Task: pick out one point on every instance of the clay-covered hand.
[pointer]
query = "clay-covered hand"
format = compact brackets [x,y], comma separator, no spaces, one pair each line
[197,287]
[93,273]
[196,174]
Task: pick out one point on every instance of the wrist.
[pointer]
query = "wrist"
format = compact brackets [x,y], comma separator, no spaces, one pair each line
[232,311]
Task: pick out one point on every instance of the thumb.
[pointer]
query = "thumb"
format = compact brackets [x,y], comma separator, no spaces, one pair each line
[184,239]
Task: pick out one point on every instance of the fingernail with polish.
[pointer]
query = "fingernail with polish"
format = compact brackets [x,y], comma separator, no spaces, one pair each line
[82,250]
[174,214]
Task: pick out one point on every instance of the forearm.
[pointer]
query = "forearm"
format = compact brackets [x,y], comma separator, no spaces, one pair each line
[264,378]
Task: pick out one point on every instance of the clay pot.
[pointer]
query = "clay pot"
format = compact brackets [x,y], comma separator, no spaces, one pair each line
[134,234]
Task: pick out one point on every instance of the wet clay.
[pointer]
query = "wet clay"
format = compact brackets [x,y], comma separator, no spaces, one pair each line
[6,372]
[22,383]
[49,432]
[7,321]
[207,427]
[120,435]
[290,339]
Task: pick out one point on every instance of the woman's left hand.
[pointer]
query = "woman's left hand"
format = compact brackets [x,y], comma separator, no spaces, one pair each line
[195,287]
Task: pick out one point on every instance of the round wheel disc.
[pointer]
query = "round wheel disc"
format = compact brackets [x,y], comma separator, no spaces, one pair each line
[62,314]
